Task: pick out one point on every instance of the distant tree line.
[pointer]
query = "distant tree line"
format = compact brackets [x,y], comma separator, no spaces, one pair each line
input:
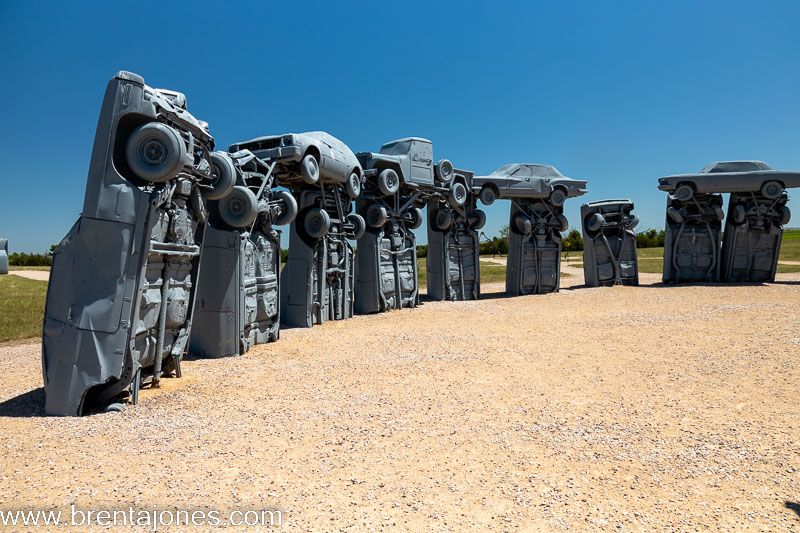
[26,259]
[573,242]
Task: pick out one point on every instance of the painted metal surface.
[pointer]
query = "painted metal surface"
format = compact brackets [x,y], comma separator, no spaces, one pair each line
[122,283]
[751,243]
[3,256]
[237,304]
[609,243]
[453,261]
[692,238]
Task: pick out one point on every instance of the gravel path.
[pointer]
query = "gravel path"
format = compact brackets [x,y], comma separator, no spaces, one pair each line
[39,275]
[633,408]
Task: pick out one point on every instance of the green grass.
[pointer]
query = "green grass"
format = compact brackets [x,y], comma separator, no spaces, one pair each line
[42,268]
[21,307]
[790,246]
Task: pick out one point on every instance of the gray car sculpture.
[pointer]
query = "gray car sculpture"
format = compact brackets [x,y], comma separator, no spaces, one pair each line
[3,256]
[325,177]
[609,243]
[757,210]
[538,193]
[238,300]
[526,181]
[122,283]
[399,181]
[453,264]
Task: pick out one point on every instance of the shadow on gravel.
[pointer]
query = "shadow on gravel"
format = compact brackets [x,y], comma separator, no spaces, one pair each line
[27,404]
[794,506]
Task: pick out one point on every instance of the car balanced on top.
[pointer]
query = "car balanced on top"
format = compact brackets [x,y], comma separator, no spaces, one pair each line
[404,168]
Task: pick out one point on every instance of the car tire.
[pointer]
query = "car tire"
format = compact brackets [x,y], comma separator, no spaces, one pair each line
[309,169]
[388,182]
[772,190]
[317,223]
[523,224]
[487,195]
[357,221]
[442,219]
[416,218]
[223,176]
[239,208]
[675,215]
[633,221]
[155,152]
[477,219]
[558,196]
[595,222]
[684,192]
[376,215]
[289,211]
[457,195]
[444,171]
[786,215]
[718,212]
[738,215]
[563,223]
[353,185]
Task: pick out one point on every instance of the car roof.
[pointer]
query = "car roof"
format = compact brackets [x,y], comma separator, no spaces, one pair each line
[735,166]
[406,139]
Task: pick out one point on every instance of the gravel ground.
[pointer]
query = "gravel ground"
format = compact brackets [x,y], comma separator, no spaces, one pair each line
[633,408]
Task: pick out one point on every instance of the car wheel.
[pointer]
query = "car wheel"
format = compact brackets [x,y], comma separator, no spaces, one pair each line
[442,219]
[457,195]
[563,223]
[317,223]
[289,207]
[772,190]
[353,186]
[309,169]
[359,226]
[376,215]
[477,219]
[718,212]
[738,215]
[155,152]
[388,182]
[523,224]
[786,215]
[114,407]
[595,222]
[487,195]
[633,221]
[416,217]
[684,192]
[675,215]
[558,197]
[444,171]
[240,208]
[223,176]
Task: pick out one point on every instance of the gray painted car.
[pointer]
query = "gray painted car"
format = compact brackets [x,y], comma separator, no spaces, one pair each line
[309,157]
[528,180]
[237,302]
[3,256]
[122,285]
[452,261]
[731,176]
[609,243]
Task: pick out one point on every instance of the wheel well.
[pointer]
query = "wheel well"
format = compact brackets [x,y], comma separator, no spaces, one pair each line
[381,167]
[313,150]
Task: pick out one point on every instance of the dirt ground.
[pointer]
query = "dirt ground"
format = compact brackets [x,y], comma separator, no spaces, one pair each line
[39,275]
[634,408]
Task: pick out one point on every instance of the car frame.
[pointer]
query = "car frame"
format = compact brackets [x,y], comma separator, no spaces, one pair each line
[528,180]
[731,176]
[310,157]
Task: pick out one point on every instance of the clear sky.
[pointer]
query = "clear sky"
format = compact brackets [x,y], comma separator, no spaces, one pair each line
[617,92]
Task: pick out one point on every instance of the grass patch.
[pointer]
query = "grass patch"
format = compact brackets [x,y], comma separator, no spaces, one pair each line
[21,307]
[42,268]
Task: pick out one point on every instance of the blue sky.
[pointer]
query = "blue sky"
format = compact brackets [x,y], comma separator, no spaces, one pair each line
[618,93]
